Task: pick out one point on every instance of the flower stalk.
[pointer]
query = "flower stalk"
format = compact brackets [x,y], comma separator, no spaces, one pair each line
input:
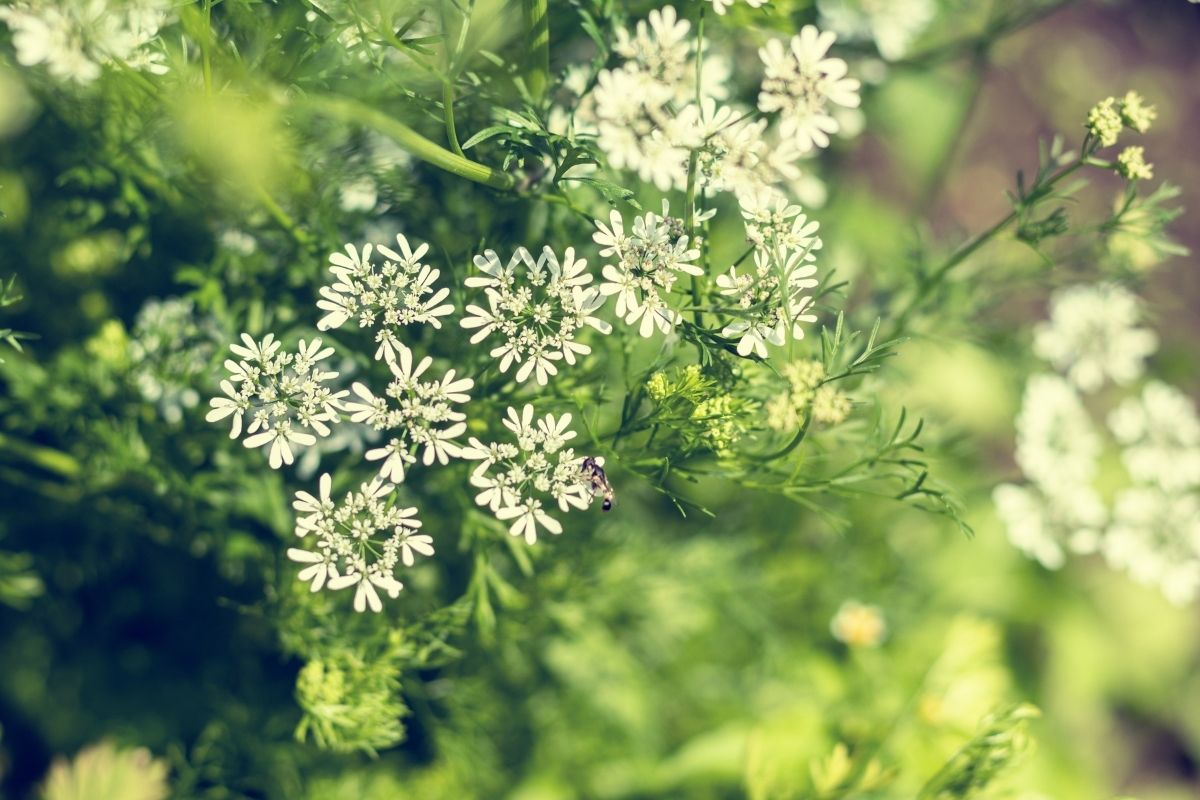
[355,112]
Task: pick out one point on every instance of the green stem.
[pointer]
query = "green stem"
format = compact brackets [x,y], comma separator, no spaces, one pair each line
[46,458]
[283,218]
[354,112]
[537,23]
[964,252]
[689,215]
[205,45]
[448,115]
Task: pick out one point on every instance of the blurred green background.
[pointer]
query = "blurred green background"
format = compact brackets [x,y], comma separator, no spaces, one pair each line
[141,576]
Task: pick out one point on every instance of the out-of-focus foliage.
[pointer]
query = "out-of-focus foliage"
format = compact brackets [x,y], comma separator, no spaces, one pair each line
[770,611]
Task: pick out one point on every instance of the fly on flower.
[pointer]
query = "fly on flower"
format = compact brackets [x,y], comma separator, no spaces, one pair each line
[593,469]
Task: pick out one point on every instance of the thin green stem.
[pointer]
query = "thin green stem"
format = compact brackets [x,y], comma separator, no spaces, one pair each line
[205,47]
[537,24]
[448,115]
[935,279]
[355,112]
[283,218]
[689,215]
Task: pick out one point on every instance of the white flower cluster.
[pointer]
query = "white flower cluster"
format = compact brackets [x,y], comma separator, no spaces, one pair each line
[1092,336]
[169,353]
[892,24]
[418,414]
[800,82]
[1153,529]
[514,478]
[74,39]
[1057,450]
[359,542]
[538,313]
[286,394]
[398,292]
[651,112]
[1155,534]
[771,299]
[721,6]
[645,264]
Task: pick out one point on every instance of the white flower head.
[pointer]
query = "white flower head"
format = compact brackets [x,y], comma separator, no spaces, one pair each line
[1092,336]
[1057,445]
[721,6]
[1160,435]
[397,292]
[1155,537]
[800,82]
[417,414]
[644,265]
[358,542]
[770,299]
[74,40]
[1045,526]
[535,310]
[285,394]
[515,479]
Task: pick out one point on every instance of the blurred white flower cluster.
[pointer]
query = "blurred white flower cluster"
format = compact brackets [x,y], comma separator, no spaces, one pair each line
[659,107]
[892,25]
[74,39]
[169,352]
[1151,527]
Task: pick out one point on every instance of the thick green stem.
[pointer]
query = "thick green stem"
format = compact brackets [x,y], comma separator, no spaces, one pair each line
[46,458]
[537,24]
[354,112]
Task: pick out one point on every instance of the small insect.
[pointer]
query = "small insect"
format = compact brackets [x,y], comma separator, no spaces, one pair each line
[593,470]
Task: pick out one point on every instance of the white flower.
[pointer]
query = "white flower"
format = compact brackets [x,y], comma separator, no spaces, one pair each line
[284,393]
[537,312]
[643,265]
[399,292]
[1091,336]
[800,82]
[74,38]
[359,542]
[1043,526]
[891,24]
[1057,444]
[770,299]
[418,414]
[1155,536]
[515,478]
[721,6]
[1160,434]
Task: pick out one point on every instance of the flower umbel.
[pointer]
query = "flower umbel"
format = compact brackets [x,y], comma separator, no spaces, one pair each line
[417,413]
[398,292]
[285,393]
[538,312]
[514,478]
[800,82]
[358,542]
[644,265]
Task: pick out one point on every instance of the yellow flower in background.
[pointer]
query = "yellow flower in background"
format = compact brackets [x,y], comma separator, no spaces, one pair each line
[859,625]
